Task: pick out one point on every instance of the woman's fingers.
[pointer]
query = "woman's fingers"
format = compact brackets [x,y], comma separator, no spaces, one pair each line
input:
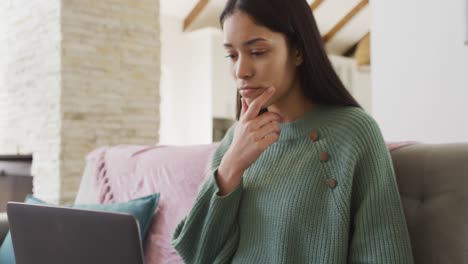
[265,119]
[271,128]
[258,103]
[268,139]
[244,107]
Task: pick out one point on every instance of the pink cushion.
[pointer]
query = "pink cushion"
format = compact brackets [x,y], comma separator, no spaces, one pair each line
[399,144]
[176,172]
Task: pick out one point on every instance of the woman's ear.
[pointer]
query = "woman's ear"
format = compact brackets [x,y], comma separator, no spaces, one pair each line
[298,57]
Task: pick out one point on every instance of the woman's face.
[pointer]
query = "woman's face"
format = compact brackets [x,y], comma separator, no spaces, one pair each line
[259,58]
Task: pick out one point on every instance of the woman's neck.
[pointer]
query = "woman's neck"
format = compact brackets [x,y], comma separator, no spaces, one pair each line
[292,106]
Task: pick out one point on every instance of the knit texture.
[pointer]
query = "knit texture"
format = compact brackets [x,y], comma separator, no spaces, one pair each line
[287,211]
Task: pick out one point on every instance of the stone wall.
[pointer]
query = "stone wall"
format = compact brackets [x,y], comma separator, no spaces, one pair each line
[77,75]
[30,88]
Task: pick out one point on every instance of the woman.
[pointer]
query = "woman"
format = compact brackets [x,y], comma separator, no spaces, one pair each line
[308,181]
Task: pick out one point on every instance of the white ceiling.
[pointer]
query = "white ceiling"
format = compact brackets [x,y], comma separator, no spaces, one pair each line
[327,15]
[177,8]
[181,8]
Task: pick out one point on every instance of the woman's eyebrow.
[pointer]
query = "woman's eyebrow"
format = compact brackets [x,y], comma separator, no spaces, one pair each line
[247,43]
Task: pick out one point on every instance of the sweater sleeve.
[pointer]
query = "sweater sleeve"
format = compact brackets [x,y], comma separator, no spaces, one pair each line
[210,232]
[378,227]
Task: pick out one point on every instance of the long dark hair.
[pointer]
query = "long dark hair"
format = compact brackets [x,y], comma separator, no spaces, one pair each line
[294,18]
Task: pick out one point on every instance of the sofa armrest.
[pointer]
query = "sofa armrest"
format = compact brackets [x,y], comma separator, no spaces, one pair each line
[3,226]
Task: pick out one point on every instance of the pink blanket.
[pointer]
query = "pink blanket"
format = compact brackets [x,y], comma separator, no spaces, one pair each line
[396,145]
[127,172]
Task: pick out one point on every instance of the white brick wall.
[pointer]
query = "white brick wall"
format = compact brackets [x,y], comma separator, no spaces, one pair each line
[80,74]
[30,88]
[3,66]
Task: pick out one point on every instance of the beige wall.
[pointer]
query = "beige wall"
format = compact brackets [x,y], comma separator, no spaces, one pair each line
[77,75]
[195,83]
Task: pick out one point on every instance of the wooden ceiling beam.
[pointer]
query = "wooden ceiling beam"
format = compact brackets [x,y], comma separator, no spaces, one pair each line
[314,5]
[345,20]
[362,54]
[202,4]
[194,13]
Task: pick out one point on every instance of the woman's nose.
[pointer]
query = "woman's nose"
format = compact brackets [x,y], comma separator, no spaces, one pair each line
[244,68]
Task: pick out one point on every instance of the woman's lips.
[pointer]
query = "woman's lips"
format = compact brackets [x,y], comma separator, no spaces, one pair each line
[249,92]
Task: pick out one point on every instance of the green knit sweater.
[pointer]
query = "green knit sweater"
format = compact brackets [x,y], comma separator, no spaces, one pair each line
[324,193]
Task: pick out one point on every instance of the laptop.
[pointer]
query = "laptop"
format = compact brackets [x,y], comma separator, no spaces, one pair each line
[58,235]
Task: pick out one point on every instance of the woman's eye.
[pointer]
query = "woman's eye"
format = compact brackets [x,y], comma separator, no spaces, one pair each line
[231,56]
[257,53]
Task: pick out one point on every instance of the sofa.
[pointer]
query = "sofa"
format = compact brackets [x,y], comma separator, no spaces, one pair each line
[432,180]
